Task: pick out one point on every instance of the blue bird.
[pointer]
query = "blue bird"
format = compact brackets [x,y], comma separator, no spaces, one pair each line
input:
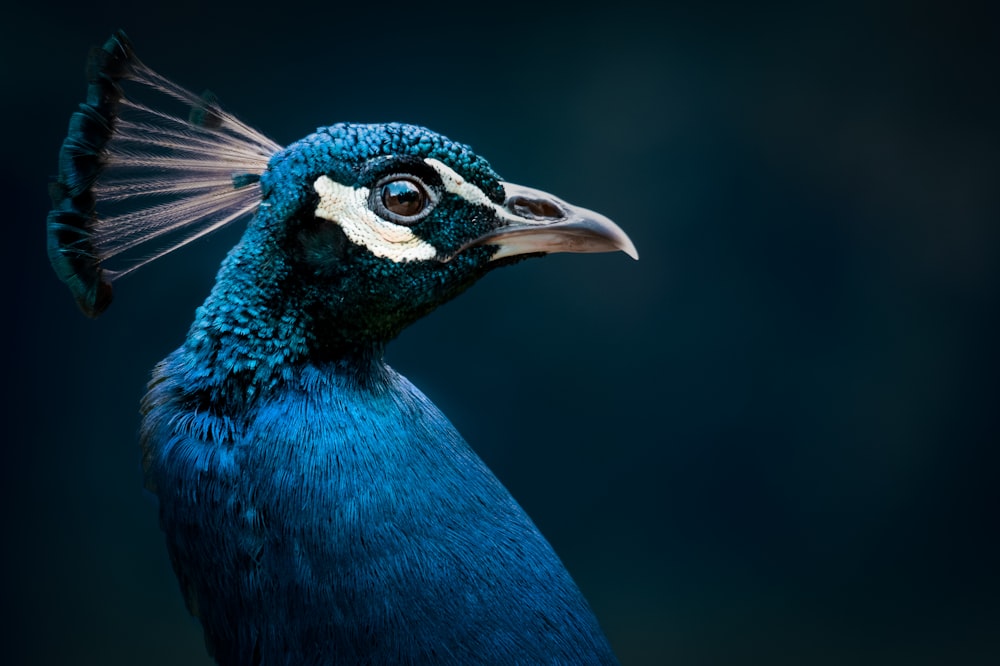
[319,509]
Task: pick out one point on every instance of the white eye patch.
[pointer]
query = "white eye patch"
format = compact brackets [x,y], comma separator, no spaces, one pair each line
[347,207]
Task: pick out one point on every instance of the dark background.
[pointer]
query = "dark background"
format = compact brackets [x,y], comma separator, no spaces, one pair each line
[770,441]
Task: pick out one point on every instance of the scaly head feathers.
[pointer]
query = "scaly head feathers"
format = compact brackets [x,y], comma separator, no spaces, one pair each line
[363,219]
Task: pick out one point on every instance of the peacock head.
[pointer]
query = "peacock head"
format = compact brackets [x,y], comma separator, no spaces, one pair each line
[354,232]
[379,224]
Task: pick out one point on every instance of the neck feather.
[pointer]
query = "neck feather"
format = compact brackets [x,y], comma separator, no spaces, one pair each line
[254,333]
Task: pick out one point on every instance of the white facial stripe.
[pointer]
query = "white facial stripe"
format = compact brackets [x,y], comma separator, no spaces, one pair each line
[347,207]
[454,183]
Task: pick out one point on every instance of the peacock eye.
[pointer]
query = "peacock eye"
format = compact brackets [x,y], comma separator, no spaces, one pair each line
[402,199]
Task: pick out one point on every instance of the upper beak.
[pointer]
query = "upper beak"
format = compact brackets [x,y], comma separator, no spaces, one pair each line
[537,222]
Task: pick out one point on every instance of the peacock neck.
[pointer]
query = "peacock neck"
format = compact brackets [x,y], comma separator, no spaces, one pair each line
[253,335]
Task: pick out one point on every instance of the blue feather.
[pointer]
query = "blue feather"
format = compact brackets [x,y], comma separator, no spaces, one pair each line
[374,536]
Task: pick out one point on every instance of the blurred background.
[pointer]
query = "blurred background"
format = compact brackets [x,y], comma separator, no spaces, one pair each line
[773,440]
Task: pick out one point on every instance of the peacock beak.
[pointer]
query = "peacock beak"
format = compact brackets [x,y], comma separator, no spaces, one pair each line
[537,222]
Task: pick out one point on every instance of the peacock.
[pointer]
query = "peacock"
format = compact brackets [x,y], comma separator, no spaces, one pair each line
[317,507]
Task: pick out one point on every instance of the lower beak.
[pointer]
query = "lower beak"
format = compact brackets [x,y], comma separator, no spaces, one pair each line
[539,223]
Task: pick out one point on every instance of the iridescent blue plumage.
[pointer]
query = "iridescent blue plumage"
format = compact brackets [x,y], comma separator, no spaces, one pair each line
[342,519]
[318,508]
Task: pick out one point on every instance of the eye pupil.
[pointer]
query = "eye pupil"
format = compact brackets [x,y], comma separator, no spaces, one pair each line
[403,197]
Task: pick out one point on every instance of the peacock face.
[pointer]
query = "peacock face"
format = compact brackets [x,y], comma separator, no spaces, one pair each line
[385,222]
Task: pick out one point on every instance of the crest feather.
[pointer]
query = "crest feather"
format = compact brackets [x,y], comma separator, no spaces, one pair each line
[146,168]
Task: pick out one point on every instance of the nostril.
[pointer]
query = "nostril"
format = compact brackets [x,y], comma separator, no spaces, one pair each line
[535,209]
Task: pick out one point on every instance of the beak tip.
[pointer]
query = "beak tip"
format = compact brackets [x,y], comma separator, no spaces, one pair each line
[626,245]
[618,240]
